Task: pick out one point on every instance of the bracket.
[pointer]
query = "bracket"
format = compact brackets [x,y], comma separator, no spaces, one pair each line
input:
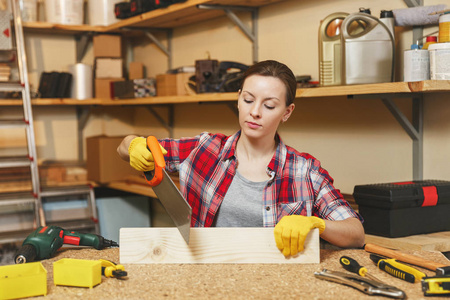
[417,30]
[82,42]
[169,124]
[414,129]
[83,113]
[251,34]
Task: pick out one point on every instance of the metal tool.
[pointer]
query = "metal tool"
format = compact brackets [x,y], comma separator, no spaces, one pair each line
[365,285]
[436,286]
[396,269]
[353,266]
[45,241]
[440,269]
[173,201]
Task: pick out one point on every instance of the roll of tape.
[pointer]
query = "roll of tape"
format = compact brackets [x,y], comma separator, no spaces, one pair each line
[82,81]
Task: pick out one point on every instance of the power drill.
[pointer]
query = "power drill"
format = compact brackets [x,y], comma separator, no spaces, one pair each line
[45,241]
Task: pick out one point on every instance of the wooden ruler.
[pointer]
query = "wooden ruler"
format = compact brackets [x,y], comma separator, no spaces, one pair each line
[210,245]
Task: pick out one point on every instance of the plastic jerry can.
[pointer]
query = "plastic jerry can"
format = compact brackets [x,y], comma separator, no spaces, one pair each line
[330,49]
[368,50]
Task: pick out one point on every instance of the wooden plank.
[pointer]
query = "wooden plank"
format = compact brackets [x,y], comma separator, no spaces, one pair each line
[437,241]
[210,245]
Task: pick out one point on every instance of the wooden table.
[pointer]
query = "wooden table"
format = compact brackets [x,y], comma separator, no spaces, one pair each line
[227,281]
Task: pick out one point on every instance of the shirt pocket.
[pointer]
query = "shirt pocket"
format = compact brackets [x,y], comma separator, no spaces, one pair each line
[294,208]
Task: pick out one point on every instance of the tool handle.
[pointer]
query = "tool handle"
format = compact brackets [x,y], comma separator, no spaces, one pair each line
[408,258]
[352,265]
[396,271]
[155,177]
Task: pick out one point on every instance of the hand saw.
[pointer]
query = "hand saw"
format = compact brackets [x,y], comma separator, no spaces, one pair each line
[168,194]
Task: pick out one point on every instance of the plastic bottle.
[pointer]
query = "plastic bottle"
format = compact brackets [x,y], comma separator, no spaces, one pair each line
[430,40]
[444,28]
[387,17]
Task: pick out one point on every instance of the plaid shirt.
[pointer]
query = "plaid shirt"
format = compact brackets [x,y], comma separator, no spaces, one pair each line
[297,185]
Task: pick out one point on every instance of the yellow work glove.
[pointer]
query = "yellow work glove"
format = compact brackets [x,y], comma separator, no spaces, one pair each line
[140,157]
[290,233]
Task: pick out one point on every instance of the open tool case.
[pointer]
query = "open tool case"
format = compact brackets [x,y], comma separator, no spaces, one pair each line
[404,208]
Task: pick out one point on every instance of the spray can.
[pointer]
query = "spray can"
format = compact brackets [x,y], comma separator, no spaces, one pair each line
[416,64]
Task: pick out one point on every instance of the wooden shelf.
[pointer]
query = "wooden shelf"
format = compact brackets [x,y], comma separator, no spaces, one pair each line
[176,15]
[390,88]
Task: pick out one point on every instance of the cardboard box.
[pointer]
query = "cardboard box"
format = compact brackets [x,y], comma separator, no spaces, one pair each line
[108,68]
[172,84]
[103,163]
[135,70]
[103,87]
[137,88]
[106,45]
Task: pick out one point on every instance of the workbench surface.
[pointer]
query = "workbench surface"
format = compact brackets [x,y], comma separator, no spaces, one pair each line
[229,281]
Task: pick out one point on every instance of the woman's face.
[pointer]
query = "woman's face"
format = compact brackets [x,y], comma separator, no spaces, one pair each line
[262,106]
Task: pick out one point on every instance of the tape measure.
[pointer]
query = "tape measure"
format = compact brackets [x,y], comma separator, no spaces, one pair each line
[436,286]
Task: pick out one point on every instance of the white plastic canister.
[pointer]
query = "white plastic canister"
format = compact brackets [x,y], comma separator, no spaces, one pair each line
[101,12]
[68,12]
[439,61]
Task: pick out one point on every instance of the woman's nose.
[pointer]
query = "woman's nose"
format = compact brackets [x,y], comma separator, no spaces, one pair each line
[255,112]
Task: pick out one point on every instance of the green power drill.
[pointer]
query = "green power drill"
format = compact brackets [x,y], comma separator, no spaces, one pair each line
[45,241]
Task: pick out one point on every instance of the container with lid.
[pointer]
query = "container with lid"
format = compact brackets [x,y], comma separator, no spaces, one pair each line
[439,61]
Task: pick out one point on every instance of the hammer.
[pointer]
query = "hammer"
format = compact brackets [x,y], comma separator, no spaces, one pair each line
[440,269]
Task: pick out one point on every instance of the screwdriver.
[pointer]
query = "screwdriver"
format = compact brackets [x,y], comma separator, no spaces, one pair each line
[353,266]
[397,269]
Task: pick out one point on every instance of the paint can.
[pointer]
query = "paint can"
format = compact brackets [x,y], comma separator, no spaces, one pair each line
[444,28]
[439,61]
[416,64]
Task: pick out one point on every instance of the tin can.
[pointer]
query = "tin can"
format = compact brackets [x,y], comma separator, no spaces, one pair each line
[416,65]
[444,28]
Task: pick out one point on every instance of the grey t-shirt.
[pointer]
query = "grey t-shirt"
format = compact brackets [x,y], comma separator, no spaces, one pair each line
[242,205]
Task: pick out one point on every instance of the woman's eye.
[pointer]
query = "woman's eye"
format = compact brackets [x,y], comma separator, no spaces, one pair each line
[247,101]
[269,107]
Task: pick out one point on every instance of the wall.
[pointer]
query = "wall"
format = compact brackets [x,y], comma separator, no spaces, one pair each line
[358,141]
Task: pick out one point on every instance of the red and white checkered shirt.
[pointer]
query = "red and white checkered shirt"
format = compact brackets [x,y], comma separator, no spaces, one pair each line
[297,185]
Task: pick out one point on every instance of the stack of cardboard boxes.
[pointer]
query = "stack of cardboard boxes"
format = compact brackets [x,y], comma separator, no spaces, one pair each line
[108,65]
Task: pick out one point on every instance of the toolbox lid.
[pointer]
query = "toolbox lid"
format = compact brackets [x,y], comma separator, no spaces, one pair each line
[396,195]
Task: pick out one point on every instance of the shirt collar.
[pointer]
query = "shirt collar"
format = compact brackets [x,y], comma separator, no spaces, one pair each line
[277,162]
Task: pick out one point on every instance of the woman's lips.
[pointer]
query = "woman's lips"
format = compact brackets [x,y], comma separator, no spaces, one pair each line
[253,125]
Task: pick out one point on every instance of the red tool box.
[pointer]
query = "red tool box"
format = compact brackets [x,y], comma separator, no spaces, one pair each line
[404,208]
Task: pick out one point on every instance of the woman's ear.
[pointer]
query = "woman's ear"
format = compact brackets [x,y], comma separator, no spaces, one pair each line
[288,112]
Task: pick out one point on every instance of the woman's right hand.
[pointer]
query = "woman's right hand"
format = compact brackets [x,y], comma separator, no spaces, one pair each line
[140,157]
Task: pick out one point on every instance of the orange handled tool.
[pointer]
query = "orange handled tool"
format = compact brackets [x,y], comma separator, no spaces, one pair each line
[155,177]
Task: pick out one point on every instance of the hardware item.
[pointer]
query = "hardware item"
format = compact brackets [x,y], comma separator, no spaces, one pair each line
[365,285]
[436,286]
[440,269]
[330,49]
[353,266]
[392,209]
[397,269]
[212,77]
[173,201]
[416,64]
[45,241]
[440,61]
[368,50]
[122,10]
[111,269]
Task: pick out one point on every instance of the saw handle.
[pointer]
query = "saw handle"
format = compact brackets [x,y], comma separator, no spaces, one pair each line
[155,177]
[407,258]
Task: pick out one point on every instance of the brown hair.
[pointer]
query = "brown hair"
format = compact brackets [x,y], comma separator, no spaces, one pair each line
[275,69]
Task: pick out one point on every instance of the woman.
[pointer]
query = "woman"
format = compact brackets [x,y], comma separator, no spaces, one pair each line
[252,179]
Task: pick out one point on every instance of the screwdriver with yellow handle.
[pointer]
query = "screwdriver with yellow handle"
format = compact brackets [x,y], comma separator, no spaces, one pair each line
[353,266]
[397,269]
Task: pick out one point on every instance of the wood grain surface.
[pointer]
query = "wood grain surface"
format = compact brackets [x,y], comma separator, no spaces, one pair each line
[210,245]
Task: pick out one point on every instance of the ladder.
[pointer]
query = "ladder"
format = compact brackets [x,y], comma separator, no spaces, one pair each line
[16,220]
[22,87]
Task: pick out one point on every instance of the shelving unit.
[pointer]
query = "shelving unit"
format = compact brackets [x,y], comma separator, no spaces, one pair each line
[188,12]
